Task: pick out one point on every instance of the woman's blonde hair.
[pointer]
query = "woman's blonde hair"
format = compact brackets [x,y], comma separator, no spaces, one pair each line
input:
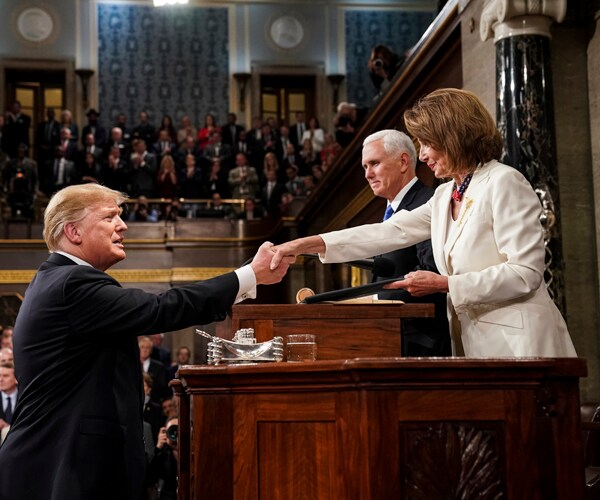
[456,123]
[70,205]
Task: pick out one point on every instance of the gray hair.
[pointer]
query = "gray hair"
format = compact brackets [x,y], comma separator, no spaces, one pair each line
[395,143]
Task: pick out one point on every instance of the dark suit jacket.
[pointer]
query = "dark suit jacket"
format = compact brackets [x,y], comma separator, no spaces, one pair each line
[77,426]
[226,135]
[421,337]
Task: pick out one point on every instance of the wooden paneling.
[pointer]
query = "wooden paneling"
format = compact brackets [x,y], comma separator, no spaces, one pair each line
[342,331]
[386,428]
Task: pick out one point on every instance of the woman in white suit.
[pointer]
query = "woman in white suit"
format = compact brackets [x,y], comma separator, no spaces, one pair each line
[485,233]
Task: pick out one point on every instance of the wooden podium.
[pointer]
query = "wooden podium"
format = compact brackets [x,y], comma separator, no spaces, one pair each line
[382,428]
[343,331]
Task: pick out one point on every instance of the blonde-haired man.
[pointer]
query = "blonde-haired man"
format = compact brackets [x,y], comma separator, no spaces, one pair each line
[77,426]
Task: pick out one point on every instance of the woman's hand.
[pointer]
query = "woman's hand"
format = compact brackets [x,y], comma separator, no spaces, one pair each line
[420,283]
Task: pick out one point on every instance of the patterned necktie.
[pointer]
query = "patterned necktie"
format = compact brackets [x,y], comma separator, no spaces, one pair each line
[389,211]
[8,412]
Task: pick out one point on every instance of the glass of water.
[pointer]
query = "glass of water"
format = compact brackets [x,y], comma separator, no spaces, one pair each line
[301,347]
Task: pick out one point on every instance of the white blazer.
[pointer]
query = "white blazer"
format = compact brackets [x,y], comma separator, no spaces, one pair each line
[493,256]
[317,140]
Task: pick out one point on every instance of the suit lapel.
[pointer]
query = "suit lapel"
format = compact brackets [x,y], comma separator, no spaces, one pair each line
[471,198]
[409,196]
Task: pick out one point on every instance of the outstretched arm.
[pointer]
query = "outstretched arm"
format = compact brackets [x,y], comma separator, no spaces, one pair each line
[291,249]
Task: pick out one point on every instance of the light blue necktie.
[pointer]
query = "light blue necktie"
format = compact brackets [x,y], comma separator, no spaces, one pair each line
[389,211]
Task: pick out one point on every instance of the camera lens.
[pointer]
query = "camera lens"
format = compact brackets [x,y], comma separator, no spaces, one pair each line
[172,432]
[378,63]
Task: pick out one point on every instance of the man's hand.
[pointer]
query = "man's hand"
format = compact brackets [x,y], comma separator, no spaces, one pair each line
[162,438]
[3,424]
[420,283]
[261,265]
[291,249]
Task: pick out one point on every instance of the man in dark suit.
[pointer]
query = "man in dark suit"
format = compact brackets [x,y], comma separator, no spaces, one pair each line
[94,128]
[297,131]
[8,393]
[77,426]
[47,137]
[389,159]
[231,130]
[16,129]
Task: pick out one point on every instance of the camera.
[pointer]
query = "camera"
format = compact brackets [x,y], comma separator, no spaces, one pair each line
[172,433]
[378,63]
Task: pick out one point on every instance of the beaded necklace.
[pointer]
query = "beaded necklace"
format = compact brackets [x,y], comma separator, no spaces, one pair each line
[458,191]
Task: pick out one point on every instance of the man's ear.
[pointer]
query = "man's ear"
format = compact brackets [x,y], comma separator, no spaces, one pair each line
[72,233]
[404,162]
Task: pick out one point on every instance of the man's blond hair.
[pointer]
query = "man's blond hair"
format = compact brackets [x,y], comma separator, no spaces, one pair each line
[71,204]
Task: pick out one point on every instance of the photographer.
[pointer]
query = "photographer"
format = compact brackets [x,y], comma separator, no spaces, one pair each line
[162,470]
[141,212]
[383,66]
[20,183]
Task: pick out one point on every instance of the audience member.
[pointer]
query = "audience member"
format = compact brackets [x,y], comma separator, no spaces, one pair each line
[90,147]
[308,158]
[16,128]
[47,137]
[152,412]
[94,128]
[271,162]
[115,171]
[117,140]
[188,147]
[66,121]
[294,183]
[331,149]
[297,131]
[271,193]
[89,170]
[163,467]
[243,179]
[163,146]
[142,170]
[8,393]
[166,124]
[282,142]
[345,123]
[20,183]
[205,134]
[186,130]
[155,369]
[216,180]
[315,135]
[166,180]
[68,145]
[169,407]
[190,184]
[126,133]
[6,355]
[183,357]
[242,144]
[230,132]
[251,211]
[217,208]
[218,149]
[144,129]
[64,172]
[142,212]
[159,352]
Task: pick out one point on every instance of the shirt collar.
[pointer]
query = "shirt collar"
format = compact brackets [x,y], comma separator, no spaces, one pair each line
[77,260]
[399,197]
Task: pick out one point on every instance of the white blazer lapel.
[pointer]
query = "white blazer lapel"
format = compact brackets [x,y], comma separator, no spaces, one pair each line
[470,201]
[439,229]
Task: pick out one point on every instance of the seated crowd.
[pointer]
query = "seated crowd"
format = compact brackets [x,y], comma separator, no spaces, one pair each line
[267,165]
